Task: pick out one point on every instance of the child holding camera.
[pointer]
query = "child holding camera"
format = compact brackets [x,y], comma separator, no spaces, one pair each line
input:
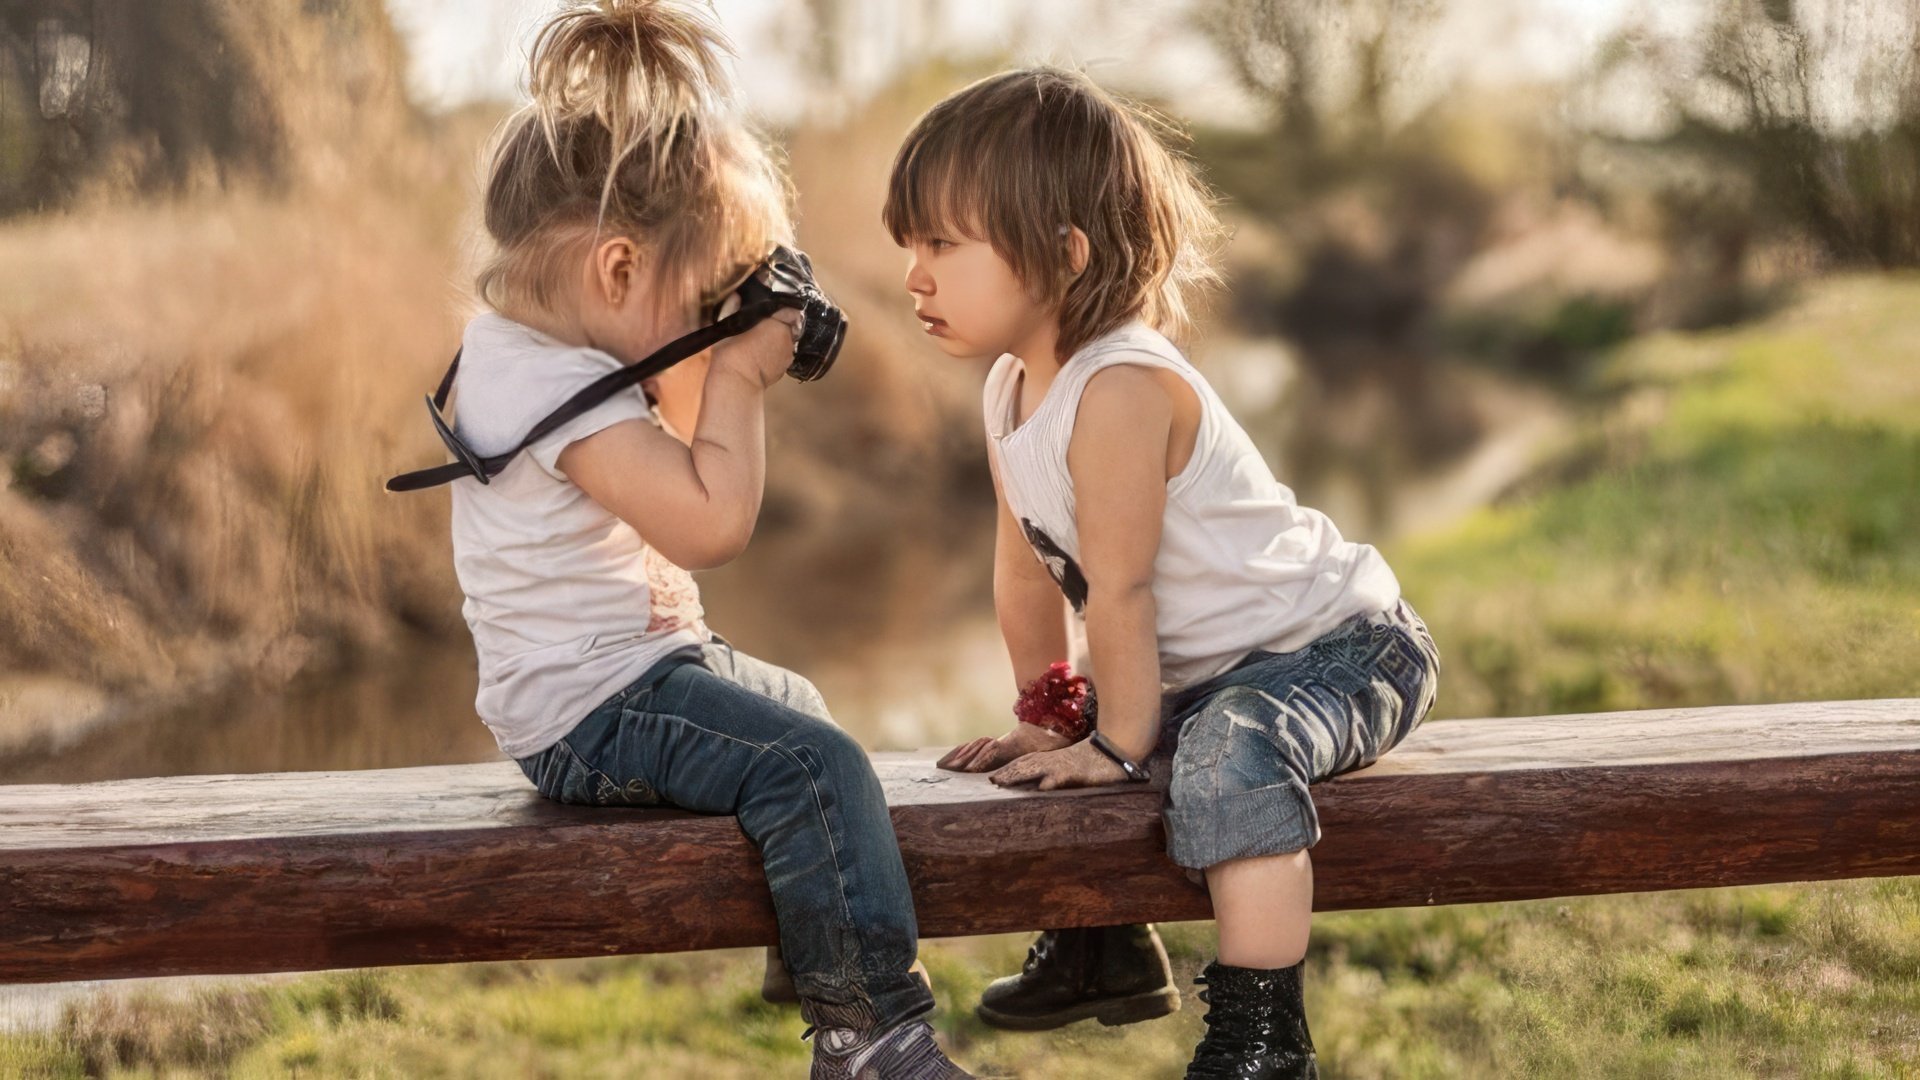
[622,202]
[1242,649]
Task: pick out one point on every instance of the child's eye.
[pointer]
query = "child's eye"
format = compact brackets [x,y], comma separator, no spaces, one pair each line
[936,243]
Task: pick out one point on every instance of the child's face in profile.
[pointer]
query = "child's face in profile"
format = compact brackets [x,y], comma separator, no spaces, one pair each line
[969,300]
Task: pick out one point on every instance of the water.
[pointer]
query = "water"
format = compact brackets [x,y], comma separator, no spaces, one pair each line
[895,680]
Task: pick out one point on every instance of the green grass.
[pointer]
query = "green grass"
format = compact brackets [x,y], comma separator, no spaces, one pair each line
[1767,982]
[1740,524]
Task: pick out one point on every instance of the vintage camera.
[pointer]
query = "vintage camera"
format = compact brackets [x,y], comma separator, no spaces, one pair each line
[785,279]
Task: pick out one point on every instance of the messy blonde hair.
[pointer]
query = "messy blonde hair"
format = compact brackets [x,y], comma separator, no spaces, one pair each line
[1016,158]
[631,131]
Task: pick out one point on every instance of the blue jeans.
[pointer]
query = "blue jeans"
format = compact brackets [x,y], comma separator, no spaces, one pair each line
[715,731]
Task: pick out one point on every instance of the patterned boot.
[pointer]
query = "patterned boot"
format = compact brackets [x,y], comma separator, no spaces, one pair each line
[903,1052]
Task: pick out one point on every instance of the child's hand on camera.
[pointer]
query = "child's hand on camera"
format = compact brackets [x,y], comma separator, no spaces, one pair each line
[987,752]
[1079,765]
[763,353]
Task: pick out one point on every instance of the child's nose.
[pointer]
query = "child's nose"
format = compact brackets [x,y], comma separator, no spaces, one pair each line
[919,282]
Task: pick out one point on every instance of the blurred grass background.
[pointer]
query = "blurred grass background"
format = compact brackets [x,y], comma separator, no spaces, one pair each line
[1621,364]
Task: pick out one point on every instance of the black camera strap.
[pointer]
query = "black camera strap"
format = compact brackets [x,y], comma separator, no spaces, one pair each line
[762,304]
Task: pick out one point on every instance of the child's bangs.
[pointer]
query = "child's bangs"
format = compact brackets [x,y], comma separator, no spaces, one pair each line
[936,191]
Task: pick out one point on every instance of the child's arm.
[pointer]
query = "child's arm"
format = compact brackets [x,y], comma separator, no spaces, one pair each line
[695,504]
[1026,601]
[1032,616]
[1118,459]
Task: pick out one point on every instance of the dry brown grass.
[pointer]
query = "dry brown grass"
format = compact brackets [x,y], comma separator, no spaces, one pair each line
[206,368]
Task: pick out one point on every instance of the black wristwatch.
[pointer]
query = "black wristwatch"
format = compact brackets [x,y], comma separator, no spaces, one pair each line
[1137,772]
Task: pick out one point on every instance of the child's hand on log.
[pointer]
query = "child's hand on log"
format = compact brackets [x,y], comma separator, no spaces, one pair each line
[987,753]
[1079,765]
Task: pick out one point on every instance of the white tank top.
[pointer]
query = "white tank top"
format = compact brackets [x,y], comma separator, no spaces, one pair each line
[1241,566]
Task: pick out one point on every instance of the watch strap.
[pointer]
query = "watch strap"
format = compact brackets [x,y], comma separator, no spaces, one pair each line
[1135,771]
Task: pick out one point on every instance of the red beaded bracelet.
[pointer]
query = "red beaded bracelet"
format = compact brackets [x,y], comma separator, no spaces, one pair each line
[1059,701]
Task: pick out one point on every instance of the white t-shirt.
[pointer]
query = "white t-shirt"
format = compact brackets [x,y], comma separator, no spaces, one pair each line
[566,603]
[1241,566]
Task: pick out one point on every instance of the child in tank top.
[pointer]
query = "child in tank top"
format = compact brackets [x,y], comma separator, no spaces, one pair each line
[1241,647]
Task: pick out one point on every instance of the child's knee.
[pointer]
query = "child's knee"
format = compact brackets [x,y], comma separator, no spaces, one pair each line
[1217,826]
[826,751]
[1234,794]
[841,754]
[1235,744]
[815,765]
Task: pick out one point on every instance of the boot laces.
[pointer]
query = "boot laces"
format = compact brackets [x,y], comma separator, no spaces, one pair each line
[1252,1018]
[1038,954]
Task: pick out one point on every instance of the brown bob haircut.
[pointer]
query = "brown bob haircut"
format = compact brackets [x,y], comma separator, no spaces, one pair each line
[1016,158]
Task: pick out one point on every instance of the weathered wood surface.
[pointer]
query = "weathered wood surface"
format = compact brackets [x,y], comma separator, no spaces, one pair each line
[303,871]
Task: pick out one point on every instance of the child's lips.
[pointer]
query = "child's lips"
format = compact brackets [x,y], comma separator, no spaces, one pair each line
[936,327]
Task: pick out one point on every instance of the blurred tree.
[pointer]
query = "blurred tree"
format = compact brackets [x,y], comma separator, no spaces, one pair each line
[151,95]
[1783,120]
[1372,216]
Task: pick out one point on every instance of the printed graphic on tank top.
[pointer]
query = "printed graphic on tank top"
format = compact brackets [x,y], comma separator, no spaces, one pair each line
[1060,565]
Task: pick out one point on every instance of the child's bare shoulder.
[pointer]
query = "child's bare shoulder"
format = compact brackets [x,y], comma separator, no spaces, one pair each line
[1130,383]
[1120,382]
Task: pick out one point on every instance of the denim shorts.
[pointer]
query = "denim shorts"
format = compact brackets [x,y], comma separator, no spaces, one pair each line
[1246,744]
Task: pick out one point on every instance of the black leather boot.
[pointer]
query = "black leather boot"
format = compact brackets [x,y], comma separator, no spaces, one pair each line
[1256,1026]
[1113,974]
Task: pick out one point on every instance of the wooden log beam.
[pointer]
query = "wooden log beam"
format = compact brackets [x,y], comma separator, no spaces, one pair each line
[307,871]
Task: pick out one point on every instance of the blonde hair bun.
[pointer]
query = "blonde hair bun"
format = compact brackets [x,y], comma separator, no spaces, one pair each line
[632,128]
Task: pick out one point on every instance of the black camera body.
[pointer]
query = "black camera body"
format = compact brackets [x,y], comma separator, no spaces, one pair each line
[786,279]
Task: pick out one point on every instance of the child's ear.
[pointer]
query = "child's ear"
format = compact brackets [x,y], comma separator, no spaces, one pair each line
[616,266]
[1079,250]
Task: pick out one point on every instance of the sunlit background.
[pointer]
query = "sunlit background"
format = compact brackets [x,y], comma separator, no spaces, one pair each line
[1598,317]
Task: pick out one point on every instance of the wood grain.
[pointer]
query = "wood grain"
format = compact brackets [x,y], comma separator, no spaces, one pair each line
[304,871]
